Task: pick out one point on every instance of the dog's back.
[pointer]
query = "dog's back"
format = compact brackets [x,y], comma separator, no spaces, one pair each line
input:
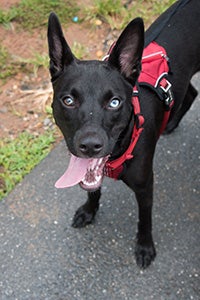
[181,38]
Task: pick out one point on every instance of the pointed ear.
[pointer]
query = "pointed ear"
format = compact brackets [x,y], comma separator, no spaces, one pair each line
[59,52]
[127,52]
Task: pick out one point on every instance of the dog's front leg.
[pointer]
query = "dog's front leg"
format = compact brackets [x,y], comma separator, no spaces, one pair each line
[145,251]
[86,213]
[142,185]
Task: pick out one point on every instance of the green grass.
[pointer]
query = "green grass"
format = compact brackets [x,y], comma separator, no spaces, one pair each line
[30,14]
[161,6]
[6,64]
[34,63]
[34,13]
[79,50]
[19,156]
[117,15]
[106,10]
[11,65]
[6,16]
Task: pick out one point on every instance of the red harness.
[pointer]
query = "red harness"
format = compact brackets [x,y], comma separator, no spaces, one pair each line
[153,75]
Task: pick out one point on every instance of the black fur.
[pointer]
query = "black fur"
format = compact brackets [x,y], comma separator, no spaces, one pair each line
[93,129]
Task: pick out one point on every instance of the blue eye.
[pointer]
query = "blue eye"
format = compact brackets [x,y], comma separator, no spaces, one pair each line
[114,103]
[68,101]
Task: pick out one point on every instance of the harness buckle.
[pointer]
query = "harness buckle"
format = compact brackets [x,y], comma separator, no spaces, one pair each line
[167,93]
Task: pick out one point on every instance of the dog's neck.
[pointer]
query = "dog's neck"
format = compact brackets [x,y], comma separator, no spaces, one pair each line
[124,139]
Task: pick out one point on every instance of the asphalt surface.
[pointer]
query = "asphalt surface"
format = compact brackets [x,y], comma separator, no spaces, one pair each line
[43,257]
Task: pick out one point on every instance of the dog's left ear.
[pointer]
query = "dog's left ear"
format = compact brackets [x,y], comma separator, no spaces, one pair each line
[127,52]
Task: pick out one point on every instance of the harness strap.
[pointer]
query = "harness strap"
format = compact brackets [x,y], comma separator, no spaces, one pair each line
[115,167]
[165,94]
[154,72]
[165,85]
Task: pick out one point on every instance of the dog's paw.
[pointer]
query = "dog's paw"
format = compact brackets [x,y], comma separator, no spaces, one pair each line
[82,217]
[144,254]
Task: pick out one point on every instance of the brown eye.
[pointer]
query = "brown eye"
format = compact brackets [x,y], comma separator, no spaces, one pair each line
[69,101]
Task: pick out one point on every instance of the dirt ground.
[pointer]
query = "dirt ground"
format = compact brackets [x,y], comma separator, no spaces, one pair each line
[23,97]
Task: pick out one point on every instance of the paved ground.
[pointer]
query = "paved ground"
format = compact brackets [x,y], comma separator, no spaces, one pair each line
[42,257]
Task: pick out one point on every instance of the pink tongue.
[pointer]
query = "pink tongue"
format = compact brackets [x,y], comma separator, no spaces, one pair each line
[75,172]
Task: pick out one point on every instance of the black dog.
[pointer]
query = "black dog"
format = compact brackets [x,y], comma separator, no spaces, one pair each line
[93,108]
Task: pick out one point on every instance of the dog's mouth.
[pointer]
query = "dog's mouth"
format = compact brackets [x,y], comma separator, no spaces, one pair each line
[88,172]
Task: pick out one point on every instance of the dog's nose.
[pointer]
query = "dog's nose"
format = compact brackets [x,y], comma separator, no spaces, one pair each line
[91,146]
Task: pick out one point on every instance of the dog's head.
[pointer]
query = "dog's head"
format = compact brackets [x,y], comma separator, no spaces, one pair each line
[92,99]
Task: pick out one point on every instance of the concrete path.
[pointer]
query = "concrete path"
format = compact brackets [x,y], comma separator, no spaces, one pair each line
[43,257]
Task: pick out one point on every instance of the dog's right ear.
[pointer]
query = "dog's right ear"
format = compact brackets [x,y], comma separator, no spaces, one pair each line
[59,52]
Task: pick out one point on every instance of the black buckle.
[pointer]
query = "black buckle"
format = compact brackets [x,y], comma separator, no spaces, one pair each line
[168,94]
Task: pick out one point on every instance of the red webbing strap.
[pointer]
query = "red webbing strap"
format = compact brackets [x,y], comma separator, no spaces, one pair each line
[114,168]
[154,70]
[137,130]
[164,121]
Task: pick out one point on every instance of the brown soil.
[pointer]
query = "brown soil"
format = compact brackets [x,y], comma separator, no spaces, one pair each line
[23,97]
